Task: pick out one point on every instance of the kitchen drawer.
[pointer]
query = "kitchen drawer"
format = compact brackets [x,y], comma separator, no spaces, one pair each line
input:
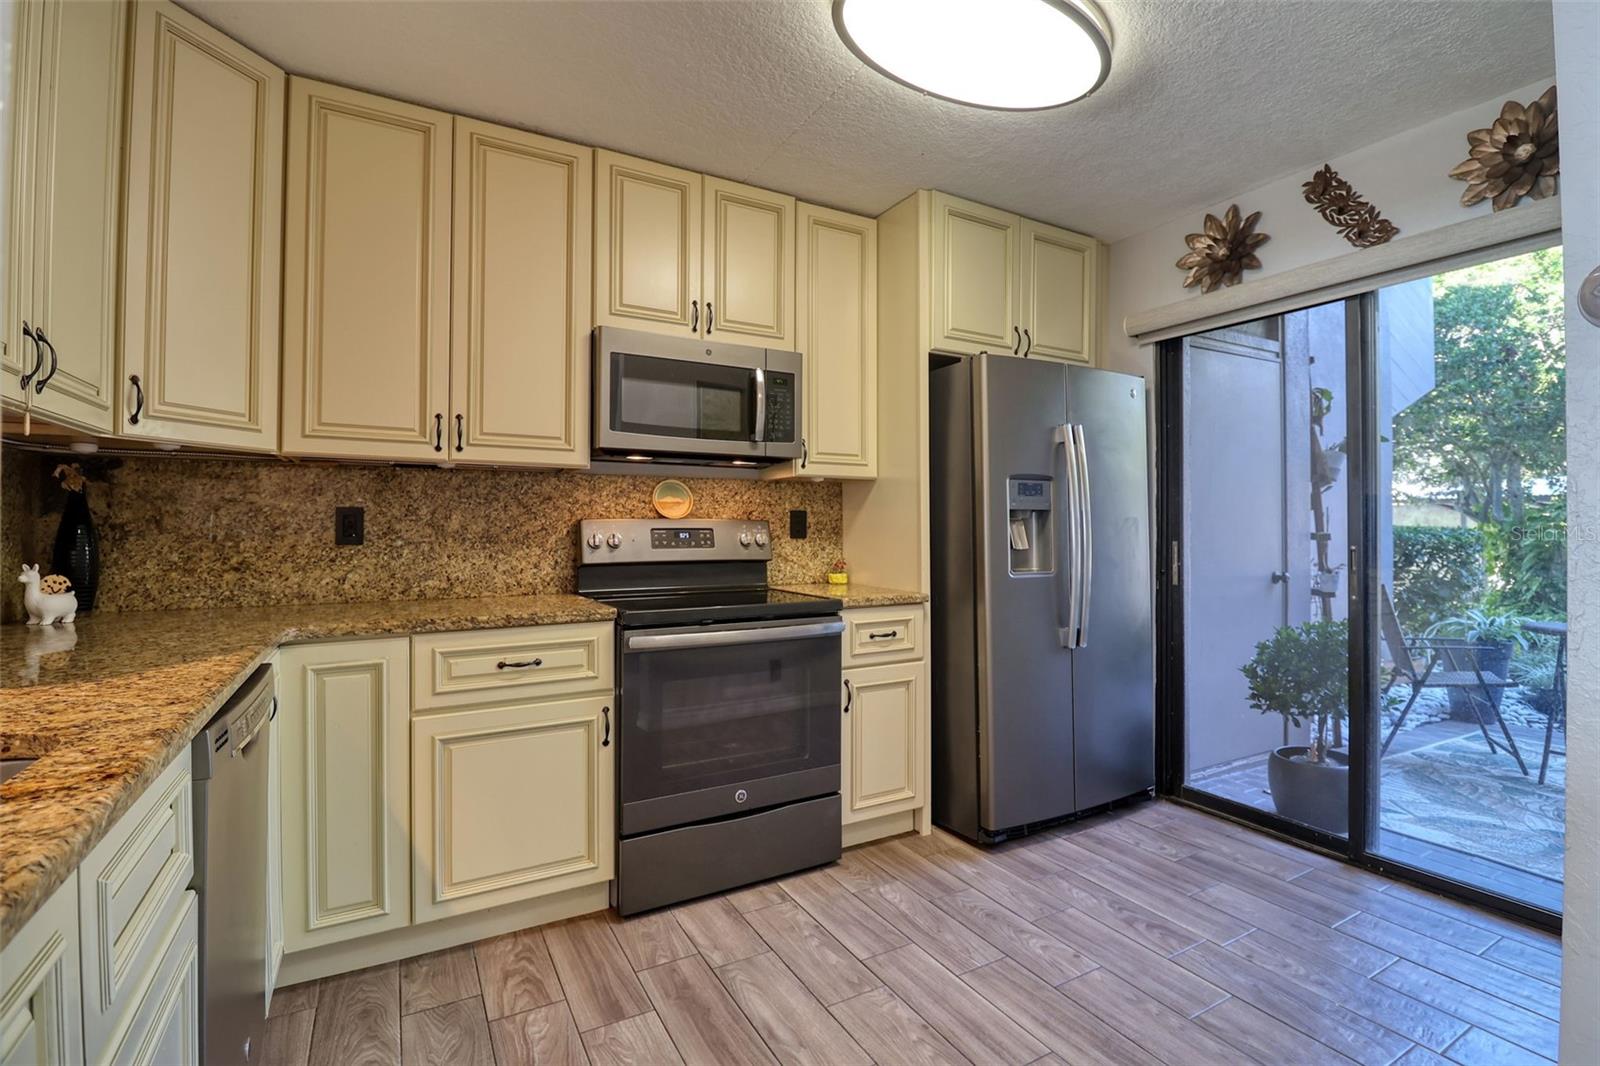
[131,889]
[883,635]
[499,665]
[164,1029]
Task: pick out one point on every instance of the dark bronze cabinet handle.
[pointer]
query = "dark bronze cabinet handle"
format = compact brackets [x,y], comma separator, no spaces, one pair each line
[849,695]
[1028,350]
[138,399]
[438,432]
[884,636]
[38,357]
[805,453]
[694,316]
[605,741]
[460,433]
[55,363]
[711,317]
[1016,349]
[514,665]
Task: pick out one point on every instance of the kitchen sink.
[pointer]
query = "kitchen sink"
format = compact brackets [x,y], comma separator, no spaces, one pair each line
[10,768]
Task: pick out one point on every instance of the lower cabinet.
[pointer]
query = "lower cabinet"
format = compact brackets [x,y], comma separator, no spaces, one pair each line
[884,739]
[510,803]
[165,1027]
[344,720]
[41,1015]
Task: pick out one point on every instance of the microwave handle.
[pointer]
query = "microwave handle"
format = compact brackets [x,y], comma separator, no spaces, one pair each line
[761,406]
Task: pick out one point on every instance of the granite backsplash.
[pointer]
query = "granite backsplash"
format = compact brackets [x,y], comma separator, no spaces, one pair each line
[179,533]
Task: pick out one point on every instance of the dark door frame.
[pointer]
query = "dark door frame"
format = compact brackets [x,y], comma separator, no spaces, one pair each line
[1363,486]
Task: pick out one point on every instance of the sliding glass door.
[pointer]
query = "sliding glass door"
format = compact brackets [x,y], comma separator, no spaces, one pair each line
[1363,596]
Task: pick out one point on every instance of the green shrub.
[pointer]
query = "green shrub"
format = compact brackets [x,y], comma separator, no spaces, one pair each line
[1528,561]
[1438,572]
[1303,673]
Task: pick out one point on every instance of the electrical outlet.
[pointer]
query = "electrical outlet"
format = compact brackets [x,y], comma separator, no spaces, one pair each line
[349,525]
[797,525]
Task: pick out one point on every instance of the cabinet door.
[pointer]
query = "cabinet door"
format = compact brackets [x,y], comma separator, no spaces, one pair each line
[647,246]
[510,803]
[73,145]
[201,273]
[164,1028]
[343,717]
[366,278]
[974,277]
[883,739]
[20,56]
[1060,279]
[521,306]
[41,1019]
[836,295]
[749,265]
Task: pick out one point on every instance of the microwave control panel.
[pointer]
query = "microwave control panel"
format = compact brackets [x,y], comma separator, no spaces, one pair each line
[780,406]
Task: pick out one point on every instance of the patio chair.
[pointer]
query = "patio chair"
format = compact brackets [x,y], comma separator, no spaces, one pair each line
[1443,669]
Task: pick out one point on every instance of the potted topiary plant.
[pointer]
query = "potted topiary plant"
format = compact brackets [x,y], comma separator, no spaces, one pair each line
[1495,639]
[1303,673]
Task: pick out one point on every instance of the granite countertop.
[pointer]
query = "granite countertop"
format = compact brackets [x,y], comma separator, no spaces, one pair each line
[854,595]
[106,704]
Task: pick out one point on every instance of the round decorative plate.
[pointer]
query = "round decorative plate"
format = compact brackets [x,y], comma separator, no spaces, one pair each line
[672,499]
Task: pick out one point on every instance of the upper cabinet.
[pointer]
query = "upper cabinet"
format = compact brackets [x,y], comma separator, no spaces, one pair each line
[1003,283]
[201,270]
[680,253]
[366,278]
[836,330]
[520,309]
[61,299]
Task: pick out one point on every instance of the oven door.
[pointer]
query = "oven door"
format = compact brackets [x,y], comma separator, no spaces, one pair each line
[724,719]
[676,396]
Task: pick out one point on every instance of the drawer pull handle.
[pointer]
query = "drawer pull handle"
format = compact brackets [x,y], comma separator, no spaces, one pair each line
[880,635]
[523,665]
[849,695]
[605,741]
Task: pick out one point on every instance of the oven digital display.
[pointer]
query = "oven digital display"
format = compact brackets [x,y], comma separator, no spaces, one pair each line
[682,538]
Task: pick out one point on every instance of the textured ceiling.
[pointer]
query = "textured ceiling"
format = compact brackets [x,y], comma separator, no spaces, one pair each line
[1205,99]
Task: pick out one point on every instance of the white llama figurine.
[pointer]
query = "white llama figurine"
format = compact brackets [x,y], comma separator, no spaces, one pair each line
[48,600]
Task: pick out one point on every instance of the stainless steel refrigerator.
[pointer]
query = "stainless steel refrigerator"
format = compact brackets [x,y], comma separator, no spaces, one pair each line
[1043,632]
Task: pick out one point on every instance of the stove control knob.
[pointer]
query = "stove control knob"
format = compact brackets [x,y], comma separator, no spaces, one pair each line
[614,541]
[761,539]
[595,540]
[744,540]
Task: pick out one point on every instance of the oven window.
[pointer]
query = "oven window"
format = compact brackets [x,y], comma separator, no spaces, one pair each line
[706,717]
[677,398]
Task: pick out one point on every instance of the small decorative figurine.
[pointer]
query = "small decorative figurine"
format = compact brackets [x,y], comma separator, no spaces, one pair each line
[48,599]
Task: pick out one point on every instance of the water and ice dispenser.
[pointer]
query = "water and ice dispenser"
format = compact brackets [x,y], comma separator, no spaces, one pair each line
[1028,513]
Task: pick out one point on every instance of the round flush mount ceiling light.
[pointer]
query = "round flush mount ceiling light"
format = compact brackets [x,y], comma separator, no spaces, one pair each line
[1006,55]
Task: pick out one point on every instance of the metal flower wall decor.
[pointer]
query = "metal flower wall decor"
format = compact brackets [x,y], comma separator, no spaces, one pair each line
[1517,155]
[1337,201]
[1224,251]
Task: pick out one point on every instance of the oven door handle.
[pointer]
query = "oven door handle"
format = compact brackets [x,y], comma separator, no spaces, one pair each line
[721,638]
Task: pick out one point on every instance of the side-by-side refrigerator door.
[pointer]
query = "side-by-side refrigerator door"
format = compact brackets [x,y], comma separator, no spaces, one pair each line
[1025,675]
[1114,661]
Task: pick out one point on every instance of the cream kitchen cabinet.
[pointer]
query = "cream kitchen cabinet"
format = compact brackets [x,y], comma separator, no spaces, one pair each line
[41,1012]
[344,720]
[521,305]
[59,350]
[690,255]
[836,331]
[1059,277]
[201,265]
[366,276]
[884,748]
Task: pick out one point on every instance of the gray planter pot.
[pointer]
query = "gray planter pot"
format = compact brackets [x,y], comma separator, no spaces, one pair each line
[1492,659]
[1311,793]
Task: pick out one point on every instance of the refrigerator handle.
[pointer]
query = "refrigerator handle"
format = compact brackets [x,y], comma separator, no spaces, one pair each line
[1085,512]
[1065,504]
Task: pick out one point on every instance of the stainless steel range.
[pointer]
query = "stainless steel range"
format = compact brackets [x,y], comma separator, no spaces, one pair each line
[728,709]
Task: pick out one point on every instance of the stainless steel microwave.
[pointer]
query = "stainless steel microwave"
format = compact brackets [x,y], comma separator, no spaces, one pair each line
[681,398]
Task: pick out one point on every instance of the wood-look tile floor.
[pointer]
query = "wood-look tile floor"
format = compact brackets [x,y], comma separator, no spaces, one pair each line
[1152,935]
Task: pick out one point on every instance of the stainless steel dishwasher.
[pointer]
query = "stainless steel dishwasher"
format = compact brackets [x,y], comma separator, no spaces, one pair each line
[230,872]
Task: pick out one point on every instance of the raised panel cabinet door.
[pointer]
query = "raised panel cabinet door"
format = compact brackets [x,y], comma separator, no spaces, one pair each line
[1059,275]
[974,277]
[521,306]
[74,141]
[836,330]
[884,735]
[366,277]
[344,716]
[164,1027]
[41,1017]
[201,264]
[20,59]
[647,241]
[749,264]
[510,803]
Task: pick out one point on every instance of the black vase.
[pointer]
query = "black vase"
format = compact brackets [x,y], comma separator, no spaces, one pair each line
[77,550]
